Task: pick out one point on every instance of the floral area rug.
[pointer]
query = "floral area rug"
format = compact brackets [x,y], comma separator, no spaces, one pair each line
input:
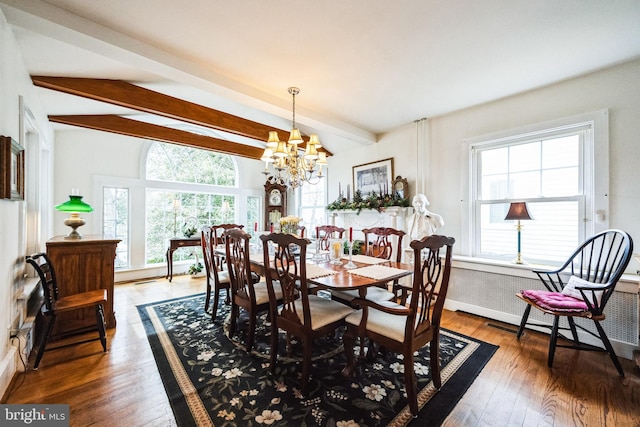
[212,381]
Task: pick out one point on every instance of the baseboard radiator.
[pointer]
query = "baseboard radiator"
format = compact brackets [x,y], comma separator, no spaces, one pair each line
[492,295]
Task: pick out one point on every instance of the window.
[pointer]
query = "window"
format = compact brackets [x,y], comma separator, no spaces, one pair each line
[115,221]
[180,196]
[312,205]
[553,170]
[254,207]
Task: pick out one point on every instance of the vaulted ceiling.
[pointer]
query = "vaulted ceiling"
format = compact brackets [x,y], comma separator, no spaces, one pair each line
[364,67]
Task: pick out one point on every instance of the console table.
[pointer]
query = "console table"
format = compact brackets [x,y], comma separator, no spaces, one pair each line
[82,265]
[177,243]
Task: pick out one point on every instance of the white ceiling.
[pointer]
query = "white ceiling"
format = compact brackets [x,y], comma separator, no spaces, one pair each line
[364,67]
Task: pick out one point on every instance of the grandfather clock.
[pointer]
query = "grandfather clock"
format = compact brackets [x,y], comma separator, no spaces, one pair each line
[275,202]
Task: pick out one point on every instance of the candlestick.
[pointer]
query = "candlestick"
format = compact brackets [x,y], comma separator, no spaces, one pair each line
[271,228]
[255,226]
[350,234]
[348,191]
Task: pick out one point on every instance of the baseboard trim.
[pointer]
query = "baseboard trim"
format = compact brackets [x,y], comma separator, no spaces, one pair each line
[8,368]
[622,349]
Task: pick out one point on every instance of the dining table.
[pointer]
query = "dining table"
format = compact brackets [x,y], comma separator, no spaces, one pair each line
[368,271]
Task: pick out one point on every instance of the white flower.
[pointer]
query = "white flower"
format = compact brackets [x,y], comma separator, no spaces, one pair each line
[374,392]
[232,373]
[216,372]
[398,368]
[420,369]
[206,355]
[268,417]
[350,423]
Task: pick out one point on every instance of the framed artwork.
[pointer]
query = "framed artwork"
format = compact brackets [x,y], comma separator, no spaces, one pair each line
[374,177]
[11,168]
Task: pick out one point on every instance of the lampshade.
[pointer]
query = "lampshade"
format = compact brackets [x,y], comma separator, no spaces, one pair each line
[267,156]
[273,140]
[74,204]
[518,211]
[313,139]
[295,137]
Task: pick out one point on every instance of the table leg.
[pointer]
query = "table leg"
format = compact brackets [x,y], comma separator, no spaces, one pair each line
[169,264]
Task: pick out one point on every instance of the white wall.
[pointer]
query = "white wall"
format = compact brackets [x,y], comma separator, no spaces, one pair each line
[88,159]
[14,82]
[438,153]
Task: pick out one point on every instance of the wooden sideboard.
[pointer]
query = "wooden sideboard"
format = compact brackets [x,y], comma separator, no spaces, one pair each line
[82,265]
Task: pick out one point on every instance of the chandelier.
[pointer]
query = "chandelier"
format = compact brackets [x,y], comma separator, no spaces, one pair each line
[290,167]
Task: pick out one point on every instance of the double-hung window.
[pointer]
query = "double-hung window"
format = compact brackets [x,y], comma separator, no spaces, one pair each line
[311,207]
[555,169]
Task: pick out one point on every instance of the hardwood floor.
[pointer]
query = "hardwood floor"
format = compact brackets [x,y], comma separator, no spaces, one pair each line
[123,386]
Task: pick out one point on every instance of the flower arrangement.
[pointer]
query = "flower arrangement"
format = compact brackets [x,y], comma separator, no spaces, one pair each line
[289,224]
[372,201]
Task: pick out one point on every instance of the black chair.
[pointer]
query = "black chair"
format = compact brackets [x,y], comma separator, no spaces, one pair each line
[54,304]
[581,288]
[406,329]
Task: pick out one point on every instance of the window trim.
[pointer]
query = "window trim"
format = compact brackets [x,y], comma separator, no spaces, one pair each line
[596,159]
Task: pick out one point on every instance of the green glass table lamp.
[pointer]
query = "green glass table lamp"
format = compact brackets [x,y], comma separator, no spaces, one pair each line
[74,205]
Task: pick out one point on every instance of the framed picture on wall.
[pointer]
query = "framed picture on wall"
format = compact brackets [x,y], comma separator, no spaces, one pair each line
[374,177]
[11,169]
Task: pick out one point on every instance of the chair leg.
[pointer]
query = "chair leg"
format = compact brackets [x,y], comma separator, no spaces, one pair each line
[235,311]
[553,340]
[274,343]
[306,366]
[252,331]
[101,326]
[46,331]
[434,356]
[574,331]
[523,322]
[348,341]
[216,298]
[410,382]
[607,345]
[208,298]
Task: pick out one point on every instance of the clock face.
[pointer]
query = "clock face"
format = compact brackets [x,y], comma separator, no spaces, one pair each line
[275,197]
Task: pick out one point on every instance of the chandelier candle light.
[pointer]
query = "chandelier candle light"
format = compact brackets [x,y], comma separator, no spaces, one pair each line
[74,205]
[518,211]
[291,168]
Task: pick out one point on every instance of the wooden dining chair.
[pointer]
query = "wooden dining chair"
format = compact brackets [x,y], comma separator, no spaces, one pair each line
[581,287]
[54,304]
[378,243]
[245,292]
[406,329]
[216,279]
[218,231]
[326,232]
[302,314]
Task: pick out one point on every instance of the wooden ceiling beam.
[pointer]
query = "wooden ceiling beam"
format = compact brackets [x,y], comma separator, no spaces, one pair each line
[125,94]
[123,126]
